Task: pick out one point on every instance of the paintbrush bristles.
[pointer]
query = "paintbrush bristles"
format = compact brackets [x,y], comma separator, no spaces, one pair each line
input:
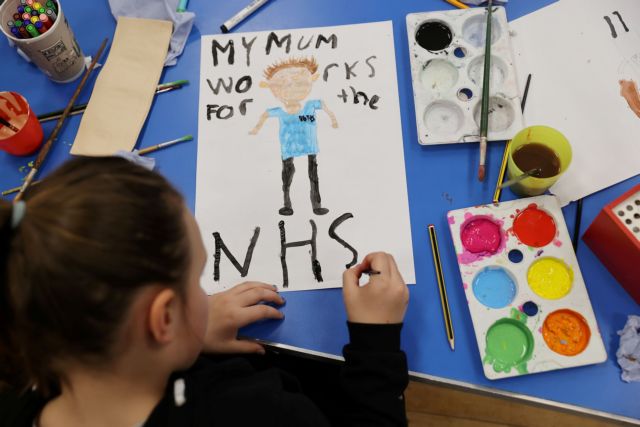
[484,112]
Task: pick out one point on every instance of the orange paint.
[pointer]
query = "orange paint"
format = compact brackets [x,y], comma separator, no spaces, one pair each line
[566,332]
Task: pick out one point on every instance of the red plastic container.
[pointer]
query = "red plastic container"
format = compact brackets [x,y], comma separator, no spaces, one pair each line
[614,236]
[15,109]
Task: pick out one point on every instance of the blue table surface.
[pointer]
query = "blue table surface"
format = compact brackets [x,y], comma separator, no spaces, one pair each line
[439,178]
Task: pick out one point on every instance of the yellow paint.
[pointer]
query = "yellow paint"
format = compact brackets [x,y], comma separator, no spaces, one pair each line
[550,278]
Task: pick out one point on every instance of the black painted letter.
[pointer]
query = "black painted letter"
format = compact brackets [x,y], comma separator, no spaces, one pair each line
[332,233]
[273,38]
[214,51]
[315,264]
[243,269]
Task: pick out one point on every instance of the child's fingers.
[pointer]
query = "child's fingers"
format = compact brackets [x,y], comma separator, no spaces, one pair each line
[245,286]
[258,294]
[246,347]
[351,277]
[258,312]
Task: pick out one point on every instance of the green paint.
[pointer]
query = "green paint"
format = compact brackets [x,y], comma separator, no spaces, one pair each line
[509,345]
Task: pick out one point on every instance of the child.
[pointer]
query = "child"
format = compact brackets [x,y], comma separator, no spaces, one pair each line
[290,81]
[103,319]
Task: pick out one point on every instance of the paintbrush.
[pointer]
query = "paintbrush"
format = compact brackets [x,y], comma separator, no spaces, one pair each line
[6,123]
[527,174]
[484,112]
[79,109]
[164,144]
[42,155]
[142,151]
[507,148]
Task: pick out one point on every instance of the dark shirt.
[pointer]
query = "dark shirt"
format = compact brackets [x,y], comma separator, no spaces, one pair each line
[232,392]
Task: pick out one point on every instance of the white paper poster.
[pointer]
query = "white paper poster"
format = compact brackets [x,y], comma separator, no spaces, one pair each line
[584,57]
[300,156]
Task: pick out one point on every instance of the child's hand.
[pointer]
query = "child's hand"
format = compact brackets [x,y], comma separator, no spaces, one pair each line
[383,300]
[234,309]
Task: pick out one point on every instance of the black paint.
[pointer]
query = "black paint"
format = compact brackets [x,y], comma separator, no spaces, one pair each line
[624,25]
[325,74]
[434,36]
[244,268]
[373,70]
[322,39]
[357,95]
[227,87]
[349,69]
[247,48]
[332,233]
[215,46]
[611,27]
[243,105]
[315,264]
[300,47]
[273,38]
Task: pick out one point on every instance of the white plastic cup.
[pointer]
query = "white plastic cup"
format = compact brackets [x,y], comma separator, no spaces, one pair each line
[55,52]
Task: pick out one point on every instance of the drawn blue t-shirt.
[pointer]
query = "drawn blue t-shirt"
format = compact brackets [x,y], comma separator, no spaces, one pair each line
[298,132]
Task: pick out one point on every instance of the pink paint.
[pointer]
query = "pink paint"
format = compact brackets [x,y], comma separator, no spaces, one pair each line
[481,236]
[557,243]
[465,286]
[520,309]
[452,220]
[540,329]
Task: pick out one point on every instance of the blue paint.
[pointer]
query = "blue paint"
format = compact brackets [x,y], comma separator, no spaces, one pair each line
[494,287]
[515,256]
[530,308]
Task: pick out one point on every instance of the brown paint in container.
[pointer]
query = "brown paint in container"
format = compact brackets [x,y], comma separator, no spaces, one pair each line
[537,156]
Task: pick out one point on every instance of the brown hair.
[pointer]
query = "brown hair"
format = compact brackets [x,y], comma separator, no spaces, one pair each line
[308,63]
[94,232]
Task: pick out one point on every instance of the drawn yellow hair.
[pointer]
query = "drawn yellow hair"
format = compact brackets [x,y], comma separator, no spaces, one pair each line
[308,63]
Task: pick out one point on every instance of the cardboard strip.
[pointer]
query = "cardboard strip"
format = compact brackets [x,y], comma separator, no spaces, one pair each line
[125,88]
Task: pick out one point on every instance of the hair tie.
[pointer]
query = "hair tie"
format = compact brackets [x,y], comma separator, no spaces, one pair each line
[17,213]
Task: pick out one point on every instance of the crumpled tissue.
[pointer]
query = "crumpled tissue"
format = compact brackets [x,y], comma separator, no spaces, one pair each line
[628,353]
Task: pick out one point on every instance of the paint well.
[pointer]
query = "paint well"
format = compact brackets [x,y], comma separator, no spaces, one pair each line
[443,118]
[501,114]
[566,332]
[481,235]
[530,308]
[550,278]
[499,71]
[509,345]
[474,30]
[494,287]
[534,227]
[434,36]
[438,75]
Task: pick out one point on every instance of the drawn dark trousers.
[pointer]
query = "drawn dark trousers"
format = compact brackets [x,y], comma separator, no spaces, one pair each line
[288,169]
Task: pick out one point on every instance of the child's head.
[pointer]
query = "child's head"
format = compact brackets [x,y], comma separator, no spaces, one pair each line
[105,258]
[291,80]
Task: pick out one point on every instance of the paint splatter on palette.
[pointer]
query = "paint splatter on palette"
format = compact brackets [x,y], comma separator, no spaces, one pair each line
[447,64]
[527,298]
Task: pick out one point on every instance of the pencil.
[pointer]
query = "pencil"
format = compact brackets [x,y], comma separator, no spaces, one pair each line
[484,111]
[44,151]
[507,148]
[79,109]
[444,301]
[457,4]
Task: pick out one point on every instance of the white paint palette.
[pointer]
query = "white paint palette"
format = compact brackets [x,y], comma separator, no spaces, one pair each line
[447,66]
[528,301]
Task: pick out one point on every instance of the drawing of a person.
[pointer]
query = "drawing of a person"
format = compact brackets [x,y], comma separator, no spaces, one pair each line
[290,81]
